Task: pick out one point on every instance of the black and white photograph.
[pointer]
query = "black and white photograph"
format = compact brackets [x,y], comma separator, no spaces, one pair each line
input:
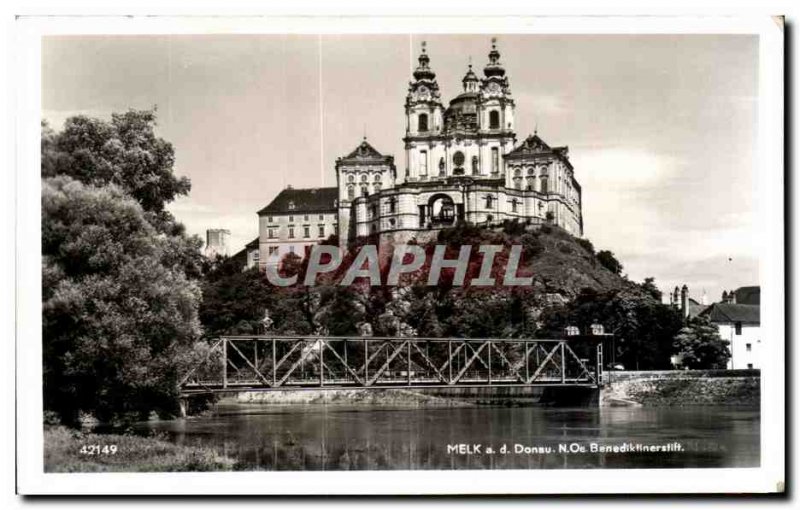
[520,250]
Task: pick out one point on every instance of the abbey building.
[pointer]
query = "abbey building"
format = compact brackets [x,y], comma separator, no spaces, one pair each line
[462,162]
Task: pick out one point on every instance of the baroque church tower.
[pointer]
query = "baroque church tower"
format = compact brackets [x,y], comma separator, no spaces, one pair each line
[471,136]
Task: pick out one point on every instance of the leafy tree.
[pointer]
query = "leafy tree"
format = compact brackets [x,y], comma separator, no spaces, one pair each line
[125,152]
[699,346]
[643,328]
[119,312]
[609,261]
[649,286]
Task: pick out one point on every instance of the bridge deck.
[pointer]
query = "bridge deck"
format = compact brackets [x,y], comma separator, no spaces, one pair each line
[263,363]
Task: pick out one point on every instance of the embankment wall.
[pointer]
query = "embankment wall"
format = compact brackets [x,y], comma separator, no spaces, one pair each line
[682,388]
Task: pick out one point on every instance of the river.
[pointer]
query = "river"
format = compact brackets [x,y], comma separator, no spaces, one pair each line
[338,437]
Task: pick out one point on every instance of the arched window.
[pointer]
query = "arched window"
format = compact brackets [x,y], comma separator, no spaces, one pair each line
[377,187]
[351,178]
[489,201]
[351,192]
[422,124]
[392,203]
[544,184]
[494,119]
[377,178]
[364,191]
[364,178]
[441,166]
[475,165]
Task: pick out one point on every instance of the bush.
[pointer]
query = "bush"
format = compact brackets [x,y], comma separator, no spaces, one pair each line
[565,248]
[531,245]
[586,245]
[609,261]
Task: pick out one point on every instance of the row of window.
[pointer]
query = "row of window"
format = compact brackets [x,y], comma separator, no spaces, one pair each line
[272,231]
[423,125]
[306,217]
[458,160]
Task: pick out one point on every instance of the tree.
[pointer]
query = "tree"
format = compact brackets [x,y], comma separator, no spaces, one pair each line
[699,346]
[609,261]
[649,286]
[643,328]
[125,152]
[119,312]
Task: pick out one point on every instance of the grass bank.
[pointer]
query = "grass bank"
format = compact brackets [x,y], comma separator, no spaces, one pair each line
[73,451]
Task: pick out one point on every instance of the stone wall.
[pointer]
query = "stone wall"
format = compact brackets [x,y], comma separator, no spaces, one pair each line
[682,388]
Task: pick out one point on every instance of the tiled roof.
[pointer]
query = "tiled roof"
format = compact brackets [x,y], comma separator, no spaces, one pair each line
[365,153]
[533,145]
[293,200]
[730,312]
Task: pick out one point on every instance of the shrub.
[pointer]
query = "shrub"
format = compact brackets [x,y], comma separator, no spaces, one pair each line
[586,245]
[609,261]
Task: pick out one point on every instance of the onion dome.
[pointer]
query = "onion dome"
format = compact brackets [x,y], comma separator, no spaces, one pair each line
[470,80]
[423,71]
[494,68]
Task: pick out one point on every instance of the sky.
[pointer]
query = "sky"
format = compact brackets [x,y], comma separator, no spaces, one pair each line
[661,129]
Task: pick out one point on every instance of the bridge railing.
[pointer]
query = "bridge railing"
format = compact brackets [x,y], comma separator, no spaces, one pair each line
[288,362]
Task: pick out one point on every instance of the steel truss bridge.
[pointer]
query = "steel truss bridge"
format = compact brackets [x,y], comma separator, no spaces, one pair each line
[274,363]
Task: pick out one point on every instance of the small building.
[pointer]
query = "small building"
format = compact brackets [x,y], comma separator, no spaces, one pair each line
[295,220]
[740,324]
[247,257]
[737,317]
[217,242]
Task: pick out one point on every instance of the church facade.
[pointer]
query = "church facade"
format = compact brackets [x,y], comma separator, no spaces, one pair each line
[462,163]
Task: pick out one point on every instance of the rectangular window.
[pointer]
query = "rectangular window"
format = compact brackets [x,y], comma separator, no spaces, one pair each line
[271,233]
[321,217]
[322,230]
[291,232]
[305,218]
[750,366]
[306,231]
[269,219]
[495,160]
[738,327]
[513,206]
[291,249]
[291,219]
[273,250]
[423,162]
[749,347]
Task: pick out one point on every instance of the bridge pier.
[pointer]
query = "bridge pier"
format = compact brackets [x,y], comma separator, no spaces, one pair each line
[183,405]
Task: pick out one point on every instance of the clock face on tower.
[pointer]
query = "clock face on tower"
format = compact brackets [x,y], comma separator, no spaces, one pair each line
[494,87]
[423,93]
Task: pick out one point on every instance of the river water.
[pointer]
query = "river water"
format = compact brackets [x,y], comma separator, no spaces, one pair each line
[336,437]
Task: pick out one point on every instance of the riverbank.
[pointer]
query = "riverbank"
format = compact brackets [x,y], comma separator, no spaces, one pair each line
[74,451]
[351,397]
[682,388]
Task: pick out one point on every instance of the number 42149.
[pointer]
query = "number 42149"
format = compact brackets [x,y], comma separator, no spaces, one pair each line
[97,449]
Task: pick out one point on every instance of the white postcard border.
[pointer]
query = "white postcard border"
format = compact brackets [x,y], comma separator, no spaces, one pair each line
[32,479]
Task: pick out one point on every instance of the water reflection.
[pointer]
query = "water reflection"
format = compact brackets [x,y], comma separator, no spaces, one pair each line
[340,438]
